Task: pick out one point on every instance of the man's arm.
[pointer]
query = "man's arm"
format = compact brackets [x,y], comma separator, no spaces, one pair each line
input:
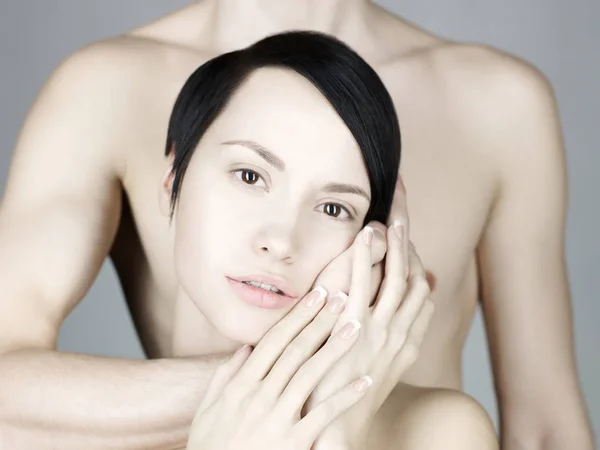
[526,299]
[58,219]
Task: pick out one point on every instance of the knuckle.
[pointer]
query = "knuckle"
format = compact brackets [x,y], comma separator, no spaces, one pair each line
[322,325]
[297,349]
[328,410]
[400,337]
[397,288]
[379,339]
[421,286]
[324,320]
[337,345]
[409,354]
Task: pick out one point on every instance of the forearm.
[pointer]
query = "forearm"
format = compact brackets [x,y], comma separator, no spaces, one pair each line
[552,441]
[564,435]
[81,401]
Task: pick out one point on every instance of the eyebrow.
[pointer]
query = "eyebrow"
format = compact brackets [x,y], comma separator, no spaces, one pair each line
[275,161]
[265,154]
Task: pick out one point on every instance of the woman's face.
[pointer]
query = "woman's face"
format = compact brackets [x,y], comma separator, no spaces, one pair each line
[276,188]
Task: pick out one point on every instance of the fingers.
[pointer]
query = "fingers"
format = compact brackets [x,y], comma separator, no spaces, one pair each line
[360,284]
[394,285]
[313,424]
[399,214]
[336,276]
[273,343]
[304,347]
[312,372]
[222,376]
[378,253]
[379,243]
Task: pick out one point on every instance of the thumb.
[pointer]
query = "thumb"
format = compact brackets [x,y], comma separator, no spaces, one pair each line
[223,375]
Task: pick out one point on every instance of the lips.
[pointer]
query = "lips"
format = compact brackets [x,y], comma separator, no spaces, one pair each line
[273,280]
[259,297]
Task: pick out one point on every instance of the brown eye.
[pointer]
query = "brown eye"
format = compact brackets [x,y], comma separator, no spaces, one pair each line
[337,212]
[249,177]
[332,210]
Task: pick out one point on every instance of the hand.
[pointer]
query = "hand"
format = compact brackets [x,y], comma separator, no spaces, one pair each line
[392,332]
[337,274]
[254,400]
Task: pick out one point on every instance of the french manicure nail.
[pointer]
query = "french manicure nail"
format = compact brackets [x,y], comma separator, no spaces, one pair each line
[399,229]
[362,384]
[337,302]
[242,349]
[350,329]
[368,235]
[315,297]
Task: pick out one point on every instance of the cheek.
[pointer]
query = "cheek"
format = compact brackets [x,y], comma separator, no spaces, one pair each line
[320,252]
[203,234]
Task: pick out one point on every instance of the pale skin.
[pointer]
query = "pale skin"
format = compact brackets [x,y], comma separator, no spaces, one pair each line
[258,403]
[483,166]
[264,204]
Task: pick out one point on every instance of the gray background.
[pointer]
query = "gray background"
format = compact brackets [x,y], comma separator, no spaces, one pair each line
[559,37]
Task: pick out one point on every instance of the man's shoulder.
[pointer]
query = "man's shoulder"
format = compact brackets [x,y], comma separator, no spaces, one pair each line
[121,56]
[490,81]
[102,88]
[492,101]
[480,73]
[485,90]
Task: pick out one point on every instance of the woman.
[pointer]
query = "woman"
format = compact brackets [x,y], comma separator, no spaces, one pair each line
[288,148]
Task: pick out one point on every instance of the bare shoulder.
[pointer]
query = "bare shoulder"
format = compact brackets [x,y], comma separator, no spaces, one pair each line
[107,85]
[495,97]
[486,83]
[117,60]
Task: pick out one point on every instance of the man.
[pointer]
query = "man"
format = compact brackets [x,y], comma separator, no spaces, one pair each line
[484,168]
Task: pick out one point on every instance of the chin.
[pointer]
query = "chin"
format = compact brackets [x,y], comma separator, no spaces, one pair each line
[240,329]
[238,322]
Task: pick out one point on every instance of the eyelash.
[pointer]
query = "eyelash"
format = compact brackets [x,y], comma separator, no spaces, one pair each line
[350,215]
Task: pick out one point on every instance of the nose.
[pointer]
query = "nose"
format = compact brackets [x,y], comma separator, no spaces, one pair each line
[277,242]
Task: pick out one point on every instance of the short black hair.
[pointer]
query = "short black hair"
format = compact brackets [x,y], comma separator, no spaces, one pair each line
[346,80]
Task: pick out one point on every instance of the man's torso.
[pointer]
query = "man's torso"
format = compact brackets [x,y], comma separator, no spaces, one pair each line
[450,182]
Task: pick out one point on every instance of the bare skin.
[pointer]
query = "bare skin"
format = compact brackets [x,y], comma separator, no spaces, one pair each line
[483,166]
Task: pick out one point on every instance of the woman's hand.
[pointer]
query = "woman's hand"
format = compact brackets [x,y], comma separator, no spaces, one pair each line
[254,401]
[392,332]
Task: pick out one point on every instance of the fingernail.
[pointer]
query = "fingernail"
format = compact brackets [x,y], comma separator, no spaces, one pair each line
[337,302]
[362,384]
[368,235]
[242,349]
[399,229]
[350,329]
[315,297]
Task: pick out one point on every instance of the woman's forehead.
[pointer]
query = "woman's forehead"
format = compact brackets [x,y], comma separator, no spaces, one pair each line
[281,109]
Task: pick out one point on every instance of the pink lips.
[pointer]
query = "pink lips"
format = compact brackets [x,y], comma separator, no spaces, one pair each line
[260,297]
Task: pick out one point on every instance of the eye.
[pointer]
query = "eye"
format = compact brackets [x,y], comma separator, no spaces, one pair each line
[334,210]
[247,176]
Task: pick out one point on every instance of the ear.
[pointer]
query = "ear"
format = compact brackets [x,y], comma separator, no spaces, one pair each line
[166,187]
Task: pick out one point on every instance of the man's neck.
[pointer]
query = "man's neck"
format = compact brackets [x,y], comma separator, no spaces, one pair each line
[235,23]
